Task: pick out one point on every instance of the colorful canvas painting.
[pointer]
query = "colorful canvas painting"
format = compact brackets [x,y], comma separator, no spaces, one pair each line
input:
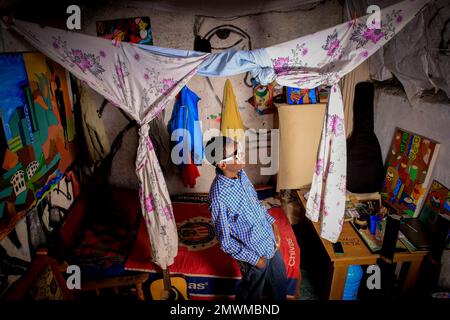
[133,30]
[36,131]
[15,256]
[437,202]
[409,167]
[46,217]
[262,99]
[324,93]
[302,96]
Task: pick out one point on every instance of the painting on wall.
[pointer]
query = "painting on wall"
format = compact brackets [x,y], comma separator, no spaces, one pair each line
[409,167]
[302,96]
[15,256]
[133,30]
[437,202]
[262,98]
[36,131]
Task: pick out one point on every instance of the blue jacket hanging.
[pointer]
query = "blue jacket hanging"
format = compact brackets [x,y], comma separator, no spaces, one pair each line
[185,116]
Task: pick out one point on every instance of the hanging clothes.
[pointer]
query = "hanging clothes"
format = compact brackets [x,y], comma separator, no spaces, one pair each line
[161,142]
[186,135]
[185,117]
[231,125]
[189,174]
[97,141]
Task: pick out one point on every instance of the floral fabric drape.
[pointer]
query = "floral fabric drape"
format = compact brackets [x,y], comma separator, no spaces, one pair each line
[323,58]
[141,83]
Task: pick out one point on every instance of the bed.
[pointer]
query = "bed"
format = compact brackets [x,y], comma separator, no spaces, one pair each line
[209,272]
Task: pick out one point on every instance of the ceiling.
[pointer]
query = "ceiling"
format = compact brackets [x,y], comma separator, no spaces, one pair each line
[38,10]
[226,8]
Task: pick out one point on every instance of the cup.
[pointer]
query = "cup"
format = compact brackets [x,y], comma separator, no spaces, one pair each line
[373,223]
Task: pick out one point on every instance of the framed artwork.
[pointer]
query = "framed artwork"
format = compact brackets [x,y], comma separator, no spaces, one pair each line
[262,99]
[15,256]
[324,93]
[133,30]
[36,132]
[409,166]
[302,96]
[436,203]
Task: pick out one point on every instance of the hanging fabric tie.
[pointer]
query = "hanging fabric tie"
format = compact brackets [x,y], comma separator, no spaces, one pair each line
[324,58]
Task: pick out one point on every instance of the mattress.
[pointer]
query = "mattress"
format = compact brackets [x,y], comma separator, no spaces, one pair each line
[209,272]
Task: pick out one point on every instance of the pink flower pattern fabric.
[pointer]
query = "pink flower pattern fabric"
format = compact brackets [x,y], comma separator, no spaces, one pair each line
[139,82]
[330,55]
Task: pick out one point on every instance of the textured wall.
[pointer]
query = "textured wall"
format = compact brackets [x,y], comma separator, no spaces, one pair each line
[429,119]
[176,31]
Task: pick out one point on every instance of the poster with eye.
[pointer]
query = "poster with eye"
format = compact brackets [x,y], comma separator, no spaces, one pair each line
[36,132]
[133,30]
[409,166]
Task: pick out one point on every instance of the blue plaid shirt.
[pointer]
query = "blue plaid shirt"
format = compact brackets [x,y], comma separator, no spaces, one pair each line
[243,225]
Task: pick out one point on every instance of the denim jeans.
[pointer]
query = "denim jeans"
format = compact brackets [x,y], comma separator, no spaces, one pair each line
[271,280]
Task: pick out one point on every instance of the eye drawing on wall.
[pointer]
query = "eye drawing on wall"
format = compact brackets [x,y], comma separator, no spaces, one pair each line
[219,38]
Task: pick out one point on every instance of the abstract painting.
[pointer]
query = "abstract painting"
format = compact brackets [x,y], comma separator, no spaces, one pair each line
[262,99]
[437,202]
[15,256]
[324,93]
[302,96]
[409,167]
[36,131]
[133,30]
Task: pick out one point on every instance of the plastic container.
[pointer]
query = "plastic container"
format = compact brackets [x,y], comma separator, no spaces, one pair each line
[373,223]
[354,276]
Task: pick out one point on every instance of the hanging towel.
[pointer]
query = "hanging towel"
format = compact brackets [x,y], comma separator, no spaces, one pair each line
[231,125]
[185,116]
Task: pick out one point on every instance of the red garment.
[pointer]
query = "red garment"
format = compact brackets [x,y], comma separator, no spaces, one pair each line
[189,174]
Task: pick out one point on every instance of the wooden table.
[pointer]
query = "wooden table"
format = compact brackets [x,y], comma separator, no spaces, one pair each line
[357,253]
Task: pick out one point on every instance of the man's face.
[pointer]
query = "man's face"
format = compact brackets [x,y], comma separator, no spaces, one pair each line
[235,159]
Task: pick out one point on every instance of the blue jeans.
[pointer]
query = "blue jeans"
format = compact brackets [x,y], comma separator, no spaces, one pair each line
[270,280]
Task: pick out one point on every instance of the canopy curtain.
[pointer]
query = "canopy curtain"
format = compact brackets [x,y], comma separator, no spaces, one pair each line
[323,58]
[142,79]
[141,83]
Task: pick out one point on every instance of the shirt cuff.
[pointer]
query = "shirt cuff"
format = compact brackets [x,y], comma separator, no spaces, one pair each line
[253,259]
[270,218]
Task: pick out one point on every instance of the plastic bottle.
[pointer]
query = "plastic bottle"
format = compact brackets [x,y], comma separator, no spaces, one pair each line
[354,276]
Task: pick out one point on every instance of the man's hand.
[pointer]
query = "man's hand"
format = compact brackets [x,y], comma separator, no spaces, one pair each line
[261,263]
[277,235]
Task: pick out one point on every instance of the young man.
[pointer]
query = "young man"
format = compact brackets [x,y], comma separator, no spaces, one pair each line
[243,226]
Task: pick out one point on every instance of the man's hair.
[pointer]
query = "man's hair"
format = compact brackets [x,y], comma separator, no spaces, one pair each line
[216,149]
